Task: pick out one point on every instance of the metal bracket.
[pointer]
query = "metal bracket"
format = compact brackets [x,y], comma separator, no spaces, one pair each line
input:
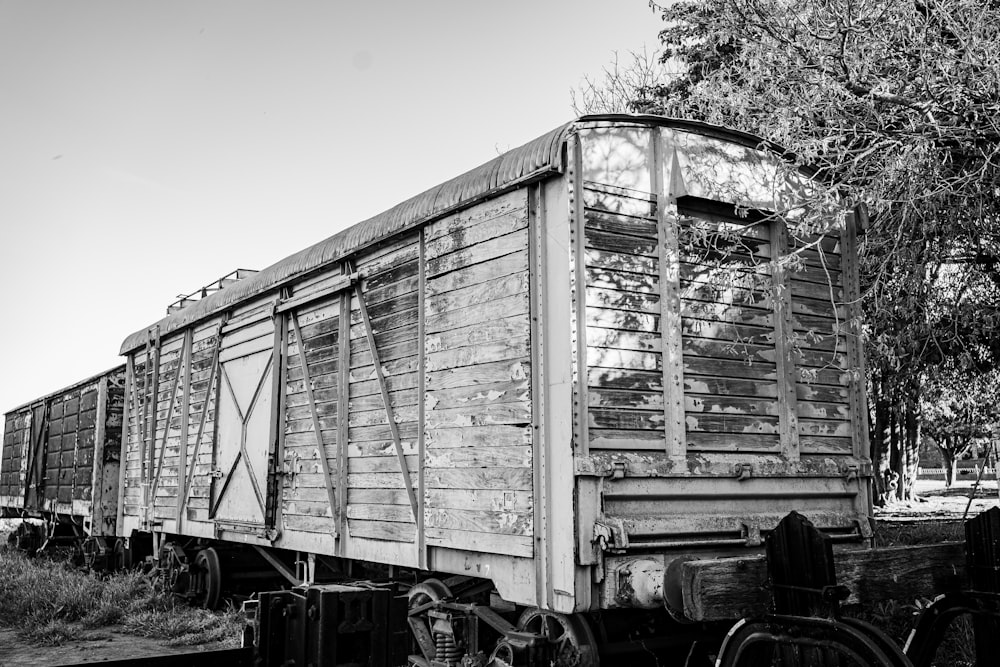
[256,530]
[751,533]
[609,534]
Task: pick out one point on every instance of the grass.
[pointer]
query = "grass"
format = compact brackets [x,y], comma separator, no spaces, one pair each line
[897,617]
[51,602]
[911,533]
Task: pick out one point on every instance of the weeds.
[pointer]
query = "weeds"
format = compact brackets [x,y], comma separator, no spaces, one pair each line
[51,602]
[909,533]
[897,617]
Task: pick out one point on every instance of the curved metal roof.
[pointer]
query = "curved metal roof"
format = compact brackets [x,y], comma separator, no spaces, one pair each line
[532,161]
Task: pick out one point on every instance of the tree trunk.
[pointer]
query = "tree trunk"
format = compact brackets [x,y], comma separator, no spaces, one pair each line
[910,442]
[878,441]
[950,463]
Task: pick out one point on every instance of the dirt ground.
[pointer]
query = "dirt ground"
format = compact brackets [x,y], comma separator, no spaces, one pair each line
[102,645]
[938,502]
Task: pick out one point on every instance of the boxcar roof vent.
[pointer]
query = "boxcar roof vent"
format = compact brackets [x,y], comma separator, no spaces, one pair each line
[185,300]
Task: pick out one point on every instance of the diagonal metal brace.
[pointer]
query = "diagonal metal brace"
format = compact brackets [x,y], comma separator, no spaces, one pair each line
[393,428]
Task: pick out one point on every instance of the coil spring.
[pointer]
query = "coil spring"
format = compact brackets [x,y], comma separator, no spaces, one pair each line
[446,650]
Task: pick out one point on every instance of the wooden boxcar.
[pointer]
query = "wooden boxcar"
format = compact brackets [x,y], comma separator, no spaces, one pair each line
[559,371]
[60,458]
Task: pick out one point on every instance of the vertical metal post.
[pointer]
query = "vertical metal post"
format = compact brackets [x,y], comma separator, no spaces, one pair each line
[281,391]
[97,501]
[127,410]
[539,453]
[212,500]
[343,406]
[276,430]
[186,353]
[667,223]
[787,377]
[578,295]
[855,349]
[421,396]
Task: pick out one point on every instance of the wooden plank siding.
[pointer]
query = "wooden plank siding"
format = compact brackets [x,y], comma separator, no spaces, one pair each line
[375,463]
[729,331]
[478,442]
[311,397]
[623,321]
[820,347]
[14,461]
[55,449]
[168,476]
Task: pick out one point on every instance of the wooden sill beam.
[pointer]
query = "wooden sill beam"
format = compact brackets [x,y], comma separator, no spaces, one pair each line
[732,588]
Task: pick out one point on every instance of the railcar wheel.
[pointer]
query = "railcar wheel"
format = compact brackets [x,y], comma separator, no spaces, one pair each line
[419,620]
[430,590]
[206,579]
[571,641]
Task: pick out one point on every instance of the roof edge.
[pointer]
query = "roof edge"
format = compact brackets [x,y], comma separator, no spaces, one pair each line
[532,161]
[79,383]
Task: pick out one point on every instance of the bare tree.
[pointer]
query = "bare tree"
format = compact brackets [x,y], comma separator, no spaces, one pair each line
[620,86]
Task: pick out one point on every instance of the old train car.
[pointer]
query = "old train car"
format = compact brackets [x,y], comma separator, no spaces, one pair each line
[558,373]
[60,463]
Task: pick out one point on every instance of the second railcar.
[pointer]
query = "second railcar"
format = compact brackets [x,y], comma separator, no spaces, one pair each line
[60,462]
[559,372]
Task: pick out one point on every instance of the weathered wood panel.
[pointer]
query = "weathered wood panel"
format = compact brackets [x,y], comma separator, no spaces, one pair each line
[733,588]
[382,401]
[497,543]
[477,409]
[310,453]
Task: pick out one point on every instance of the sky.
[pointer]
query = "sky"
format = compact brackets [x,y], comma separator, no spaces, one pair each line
[149,148]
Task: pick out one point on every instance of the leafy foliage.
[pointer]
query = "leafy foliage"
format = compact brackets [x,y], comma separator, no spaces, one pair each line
[897,103]
[960,412]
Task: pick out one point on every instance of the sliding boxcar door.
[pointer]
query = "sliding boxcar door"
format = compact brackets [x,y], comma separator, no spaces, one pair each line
[244,442]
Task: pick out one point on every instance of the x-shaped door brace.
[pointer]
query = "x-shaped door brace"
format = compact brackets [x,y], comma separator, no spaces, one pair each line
[244,420]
